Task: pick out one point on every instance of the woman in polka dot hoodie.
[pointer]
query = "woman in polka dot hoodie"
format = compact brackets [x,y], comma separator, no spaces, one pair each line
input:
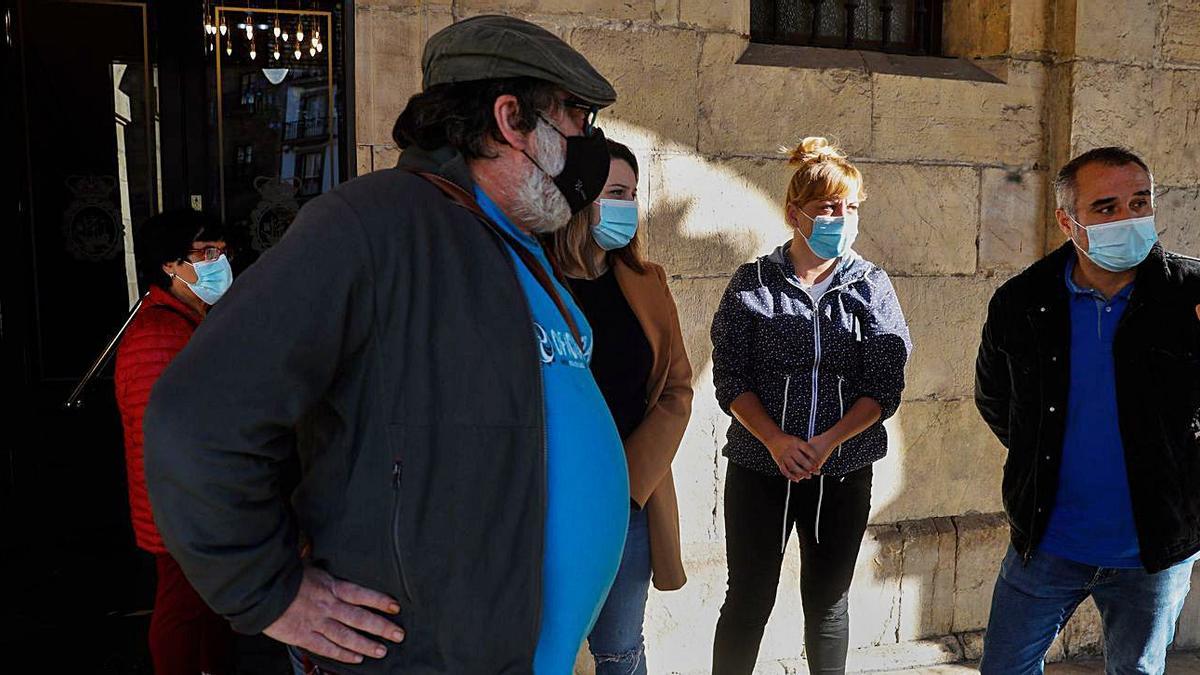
[809,347]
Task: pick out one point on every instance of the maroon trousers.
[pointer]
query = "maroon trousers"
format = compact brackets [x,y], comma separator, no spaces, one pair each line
[186,637]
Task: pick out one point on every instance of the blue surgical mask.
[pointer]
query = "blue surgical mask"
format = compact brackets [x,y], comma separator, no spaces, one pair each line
[213,278]
[1120,245]
[618,223]
[832,236]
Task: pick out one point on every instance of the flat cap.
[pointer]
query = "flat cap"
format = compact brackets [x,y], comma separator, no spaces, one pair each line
[492,47]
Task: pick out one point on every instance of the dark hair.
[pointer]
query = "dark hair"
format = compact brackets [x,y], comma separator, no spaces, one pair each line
[1066,187]
[572,246]
[622,152]
[460,114]
[631,253]
[167,237]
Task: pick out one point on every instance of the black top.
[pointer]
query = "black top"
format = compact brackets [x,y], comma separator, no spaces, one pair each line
[621,358]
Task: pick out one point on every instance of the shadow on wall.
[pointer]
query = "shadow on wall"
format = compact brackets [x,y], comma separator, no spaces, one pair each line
[695,313]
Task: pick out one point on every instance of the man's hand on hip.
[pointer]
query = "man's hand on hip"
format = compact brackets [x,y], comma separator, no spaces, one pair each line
[328,619]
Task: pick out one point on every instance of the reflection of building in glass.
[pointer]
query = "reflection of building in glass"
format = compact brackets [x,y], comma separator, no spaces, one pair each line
[279,141]
[279,116]
[306,147]
[252,135]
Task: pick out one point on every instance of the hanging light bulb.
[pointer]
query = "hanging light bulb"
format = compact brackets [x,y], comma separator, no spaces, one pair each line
[252,53]
[299,31]
[297,52]
[277,29]
[314,41]
[229,47]
[249,27]
[224,26]
[320,46]
[312,51]
[275,51]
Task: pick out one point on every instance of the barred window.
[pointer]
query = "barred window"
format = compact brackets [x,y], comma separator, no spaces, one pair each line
[895,26]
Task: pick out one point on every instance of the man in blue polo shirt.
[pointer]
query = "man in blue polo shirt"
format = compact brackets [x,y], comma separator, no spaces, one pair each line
[1087,373]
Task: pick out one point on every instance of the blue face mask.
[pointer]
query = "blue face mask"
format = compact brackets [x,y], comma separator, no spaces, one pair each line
[213,278]
[1120,245]
[832,236]
[618,223]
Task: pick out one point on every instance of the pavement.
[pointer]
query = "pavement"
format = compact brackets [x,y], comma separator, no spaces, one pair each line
[1185,663]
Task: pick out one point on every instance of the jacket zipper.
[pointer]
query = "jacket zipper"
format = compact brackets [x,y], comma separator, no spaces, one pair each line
[812,416]
[812,406]
[397,475]
[816,389]
[816,371]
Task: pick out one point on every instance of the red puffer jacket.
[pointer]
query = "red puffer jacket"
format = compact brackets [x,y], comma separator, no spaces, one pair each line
[159,331]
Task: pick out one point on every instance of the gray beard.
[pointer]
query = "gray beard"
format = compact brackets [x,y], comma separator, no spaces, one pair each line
[538,202]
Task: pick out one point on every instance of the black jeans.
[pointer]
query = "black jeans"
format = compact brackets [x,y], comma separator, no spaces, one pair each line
[753,530]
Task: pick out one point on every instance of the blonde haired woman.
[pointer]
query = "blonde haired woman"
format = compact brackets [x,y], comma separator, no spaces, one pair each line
[642,369]
[809,347]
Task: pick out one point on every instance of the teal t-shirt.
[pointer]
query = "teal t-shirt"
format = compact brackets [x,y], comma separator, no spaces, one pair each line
[587,510]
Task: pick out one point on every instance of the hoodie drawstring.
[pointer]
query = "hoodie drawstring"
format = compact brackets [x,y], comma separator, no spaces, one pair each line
[787,499]
[820,498]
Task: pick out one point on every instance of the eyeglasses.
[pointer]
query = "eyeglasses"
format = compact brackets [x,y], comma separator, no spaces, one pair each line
[209,253]
[590,112]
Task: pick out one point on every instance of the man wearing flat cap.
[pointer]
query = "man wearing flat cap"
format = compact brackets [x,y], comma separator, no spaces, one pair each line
[463,492]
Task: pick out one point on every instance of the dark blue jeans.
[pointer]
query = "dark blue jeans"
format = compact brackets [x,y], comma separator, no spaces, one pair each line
[616,641]
[1032,602]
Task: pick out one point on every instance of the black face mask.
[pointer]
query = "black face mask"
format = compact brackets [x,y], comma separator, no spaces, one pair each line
[585,170]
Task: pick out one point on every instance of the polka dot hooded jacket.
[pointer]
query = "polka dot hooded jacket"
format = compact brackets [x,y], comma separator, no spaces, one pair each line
[809,371]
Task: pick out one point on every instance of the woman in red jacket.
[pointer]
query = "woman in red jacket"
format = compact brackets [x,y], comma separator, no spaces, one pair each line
[181,258]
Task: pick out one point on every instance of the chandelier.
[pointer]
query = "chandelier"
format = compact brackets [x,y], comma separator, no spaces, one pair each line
[254,29]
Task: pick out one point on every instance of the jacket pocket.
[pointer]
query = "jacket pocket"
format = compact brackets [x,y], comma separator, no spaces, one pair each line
[458,537]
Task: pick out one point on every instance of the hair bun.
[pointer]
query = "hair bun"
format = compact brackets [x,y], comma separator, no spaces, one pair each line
[813,149]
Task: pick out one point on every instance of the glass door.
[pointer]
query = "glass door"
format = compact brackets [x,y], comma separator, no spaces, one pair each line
[277,115]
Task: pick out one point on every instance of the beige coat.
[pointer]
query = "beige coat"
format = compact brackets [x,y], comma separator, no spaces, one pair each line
[650,448]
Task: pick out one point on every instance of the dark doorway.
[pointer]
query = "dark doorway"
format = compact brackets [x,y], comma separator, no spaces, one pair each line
[117,111]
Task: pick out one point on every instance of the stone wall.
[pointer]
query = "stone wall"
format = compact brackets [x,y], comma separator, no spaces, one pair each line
[957,157]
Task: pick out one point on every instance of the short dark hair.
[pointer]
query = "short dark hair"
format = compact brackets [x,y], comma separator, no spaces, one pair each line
[459,115]
[167,237]
[1066,186]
